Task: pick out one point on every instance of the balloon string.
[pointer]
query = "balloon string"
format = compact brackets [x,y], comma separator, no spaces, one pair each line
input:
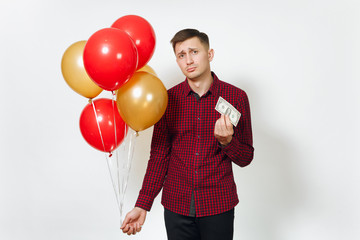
[118,169]
[113,105]
[98,125]
[108,158]
[131,148]
[128,162]
[112,180]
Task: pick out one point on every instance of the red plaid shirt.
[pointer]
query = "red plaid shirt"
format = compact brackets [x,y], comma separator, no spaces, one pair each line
[186,158]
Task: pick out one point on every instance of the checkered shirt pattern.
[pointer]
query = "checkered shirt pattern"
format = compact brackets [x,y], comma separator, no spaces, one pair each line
[185,156]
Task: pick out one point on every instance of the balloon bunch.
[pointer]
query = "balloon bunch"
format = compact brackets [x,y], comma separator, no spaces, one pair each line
[115,59]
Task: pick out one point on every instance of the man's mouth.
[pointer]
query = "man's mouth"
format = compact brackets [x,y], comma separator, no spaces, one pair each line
[191,69]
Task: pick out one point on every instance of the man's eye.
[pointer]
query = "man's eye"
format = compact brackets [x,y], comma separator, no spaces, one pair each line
[181,55]
[195,52]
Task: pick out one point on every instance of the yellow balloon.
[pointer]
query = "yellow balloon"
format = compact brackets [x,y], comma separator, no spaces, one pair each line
[148,69]
[74,73]
[142,100]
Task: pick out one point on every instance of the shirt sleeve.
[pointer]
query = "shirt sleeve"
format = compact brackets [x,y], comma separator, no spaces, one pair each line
[157,166]
[240,149]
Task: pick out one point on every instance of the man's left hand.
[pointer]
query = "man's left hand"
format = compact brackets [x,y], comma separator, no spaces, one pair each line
[223,130]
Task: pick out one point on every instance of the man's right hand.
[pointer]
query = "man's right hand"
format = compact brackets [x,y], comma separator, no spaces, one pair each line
[133,221]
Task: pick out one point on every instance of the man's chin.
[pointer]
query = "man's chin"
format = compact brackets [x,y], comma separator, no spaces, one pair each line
[192,76]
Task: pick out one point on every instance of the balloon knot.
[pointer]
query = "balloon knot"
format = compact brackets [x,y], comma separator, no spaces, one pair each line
[110,154]
[137,134]
[90,100]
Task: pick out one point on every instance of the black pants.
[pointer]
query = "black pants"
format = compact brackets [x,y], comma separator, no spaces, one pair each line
[216,227]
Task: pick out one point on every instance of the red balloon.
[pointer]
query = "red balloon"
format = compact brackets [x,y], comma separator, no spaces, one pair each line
[110,58]
[141,33]
[106,113]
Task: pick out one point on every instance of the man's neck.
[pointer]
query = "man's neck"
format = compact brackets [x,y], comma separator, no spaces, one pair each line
[202,84]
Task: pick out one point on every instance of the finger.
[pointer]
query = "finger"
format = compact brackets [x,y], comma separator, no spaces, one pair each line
[123,224]
[226,117]
[223,124]
[130,230]
[138,227]
[126,229]
[126,221]
[218,128]
[228,123]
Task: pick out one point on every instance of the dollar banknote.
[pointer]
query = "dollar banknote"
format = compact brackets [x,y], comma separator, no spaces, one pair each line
[224,107]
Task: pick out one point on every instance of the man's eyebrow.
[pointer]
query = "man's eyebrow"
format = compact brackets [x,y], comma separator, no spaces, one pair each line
[190,49]
[182,52]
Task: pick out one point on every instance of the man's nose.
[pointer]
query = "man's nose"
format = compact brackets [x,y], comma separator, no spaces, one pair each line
[189,59]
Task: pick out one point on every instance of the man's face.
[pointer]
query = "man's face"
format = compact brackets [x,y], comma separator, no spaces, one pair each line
[193,58]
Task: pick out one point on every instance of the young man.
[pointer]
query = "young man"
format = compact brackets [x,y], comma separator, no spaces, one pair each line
[192,150]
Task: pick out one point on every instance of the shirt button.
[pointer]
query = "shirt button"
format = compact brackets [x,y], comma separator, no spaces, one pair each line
[198,136]
[197,154]
[196,172]
[198,118]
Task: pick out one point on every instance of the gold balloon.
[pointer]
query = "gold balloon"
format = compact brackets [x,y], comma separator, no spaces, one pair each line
[142,100]
[74,73]
[148,69]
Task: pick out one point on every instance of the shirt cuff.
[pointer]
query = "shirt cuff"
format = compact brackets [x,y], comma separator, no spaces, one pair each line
[145,202]
[232,144]
[225,146]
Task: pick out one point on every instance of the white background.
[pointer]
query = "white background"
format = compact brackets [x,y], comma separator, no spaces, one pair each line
[297,60]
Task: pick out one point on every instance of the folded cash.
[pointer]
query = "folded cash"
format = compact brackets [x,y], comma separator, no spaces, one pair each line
[224,107]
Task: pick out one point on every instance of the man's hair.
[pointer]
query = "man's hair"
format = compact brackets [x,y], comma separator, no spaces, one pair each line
[188,33]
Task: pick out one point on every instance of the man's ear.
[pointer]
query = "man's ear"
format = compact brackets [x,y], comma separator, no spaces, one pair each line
[211,54]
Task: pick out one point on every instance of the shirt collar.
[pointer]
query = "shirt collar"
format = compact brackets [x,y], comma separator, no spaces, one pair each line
[214,88]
